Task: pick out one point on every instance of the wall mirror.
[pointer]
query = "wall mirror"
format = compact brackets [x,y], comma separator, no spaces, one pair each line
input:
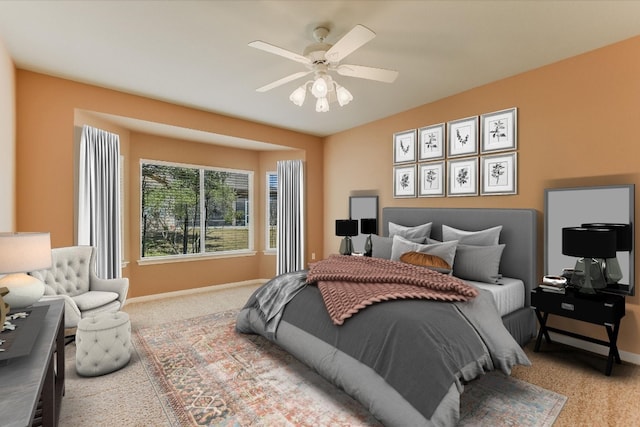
[572,207]
[362,207]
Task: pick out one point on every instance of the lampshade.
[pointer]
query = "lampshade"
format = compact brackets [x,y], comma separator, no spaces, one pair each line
[320,88]
[20,253]
[623,233]
[346,227]
[298,95]
[368,225]
[343,95]
[589,242]
[322,105]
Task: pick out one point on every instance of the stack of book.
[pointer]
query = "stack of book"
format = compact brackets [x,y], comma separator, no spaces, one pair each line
[554,284]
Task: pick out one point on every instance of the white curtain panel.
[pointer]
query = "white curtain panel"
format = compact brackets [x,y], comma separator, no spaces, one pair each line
[290,237]
[99,199]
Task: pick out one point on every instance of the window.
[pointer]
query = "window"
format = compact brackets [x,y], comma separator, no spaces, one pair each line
[176,197]
[272,210]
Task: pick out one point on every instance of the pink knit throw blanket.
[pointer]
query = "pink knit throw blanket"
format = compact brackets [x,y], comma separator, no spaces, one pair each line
[350,283]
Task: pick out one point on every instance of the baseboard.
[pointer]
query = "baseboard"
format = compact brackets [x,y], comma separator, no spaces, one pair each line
[195,290]
[594,348]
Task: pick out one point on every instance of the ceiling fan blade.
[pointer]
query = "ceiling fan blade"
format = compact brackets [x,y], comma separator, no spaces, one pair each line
[358,36]
[371,73]
[279,51]
[283,81]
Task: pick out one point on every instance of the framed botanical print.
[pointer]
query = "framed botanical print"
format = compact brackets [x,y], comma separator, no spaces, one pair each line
[499,130]
[462,177]
[463,137]
[431,179]
[404,146]
[499,174]
[431,142]
[404,181]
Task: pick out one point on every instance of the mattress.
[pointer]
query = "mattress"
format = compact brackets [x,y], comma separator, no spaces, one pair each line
[508,294]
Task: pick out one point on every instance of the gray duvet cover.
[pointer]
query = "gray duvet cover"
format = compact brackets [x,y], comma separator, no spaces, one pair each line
[403,360]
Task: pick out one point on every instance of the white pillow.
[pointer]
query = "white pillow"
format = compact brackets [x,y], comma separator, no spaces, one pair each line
[488,237]
[413,233]
[444,250]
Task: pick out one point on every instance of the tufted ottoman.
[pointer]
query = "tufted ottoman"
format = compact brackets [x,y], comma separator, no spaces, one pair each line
[103,343]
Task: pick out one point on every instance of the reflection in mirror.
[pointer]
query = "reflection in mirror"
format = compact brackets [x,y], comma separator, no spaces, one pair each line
[579,206]
[362,207]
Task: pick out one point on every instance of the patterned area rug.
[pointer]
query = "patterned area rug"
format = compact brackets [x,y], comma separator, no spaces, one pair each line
[205,373]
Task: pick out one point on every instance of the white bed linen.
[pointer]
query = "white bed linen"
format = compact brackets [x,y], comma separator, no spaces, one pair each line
[508,293]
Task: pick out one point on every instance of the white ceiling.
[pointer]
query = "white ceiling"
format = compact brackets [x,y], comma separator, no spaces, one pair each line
[195,53]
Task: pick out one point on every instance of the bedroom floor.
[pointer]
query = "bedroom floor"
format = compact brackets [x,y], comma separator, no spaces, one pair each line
[593,398]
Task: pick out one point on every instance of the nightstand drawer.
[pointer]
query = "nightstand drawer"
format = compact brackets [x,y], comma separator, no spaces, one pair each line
[599,309]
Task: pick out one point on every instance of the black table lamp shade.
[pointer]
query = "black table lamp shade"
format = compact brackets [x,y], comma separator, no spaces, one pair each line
[346,227]
[589,242]
[368,226]
[623,234]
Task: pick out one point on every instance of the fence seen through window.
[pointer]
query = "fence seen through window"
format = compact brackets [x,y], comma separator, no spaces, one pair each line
[193,210]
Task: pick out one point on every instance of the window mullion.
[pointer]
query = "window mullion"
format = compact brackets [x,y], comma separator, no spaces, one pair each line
[203,219]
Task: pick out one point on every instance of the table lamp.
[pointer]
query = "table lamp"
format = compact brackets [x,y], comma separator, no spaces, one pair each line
[368,226]
[20,253]
[592,245]
[624,238]
[346,228]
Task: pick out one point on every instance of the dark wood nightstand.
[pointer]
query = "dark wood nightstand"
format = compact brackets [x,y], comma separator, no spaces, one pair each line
[600,309]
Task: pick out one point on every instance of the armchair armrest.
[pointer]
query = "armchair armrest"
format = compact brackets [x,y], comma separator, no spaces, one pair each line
[119,286]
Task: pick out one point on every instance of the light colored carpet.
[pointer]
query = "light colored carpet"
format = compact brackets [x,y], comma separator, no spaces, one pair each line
[127,398]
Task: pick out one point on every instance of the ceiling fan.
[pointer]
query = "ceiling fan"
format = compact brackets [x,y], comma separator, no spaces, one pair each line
[320,58]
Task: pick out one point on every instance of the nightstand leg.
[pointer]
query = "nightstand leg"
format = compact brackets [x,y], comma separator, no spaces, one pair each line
[542,319]
[613,347]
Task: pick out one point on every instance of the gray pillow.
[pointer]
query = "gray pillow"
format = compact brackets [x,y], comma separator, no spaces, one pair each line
[444,250]
[478,263]
[411,233]
[488,237]
[381,246]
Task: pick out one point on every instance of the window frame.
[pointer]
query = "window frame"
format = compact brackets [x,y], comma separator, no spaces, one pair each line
[202,254]
[267,217]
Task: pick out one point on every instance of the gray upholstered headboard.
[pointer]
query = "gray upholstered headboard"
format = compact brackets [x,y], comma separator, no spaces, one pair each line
[519,233]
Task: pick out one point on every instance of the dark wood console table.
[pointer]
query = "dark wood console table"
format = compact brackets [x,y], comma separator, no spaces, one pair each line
[31,386]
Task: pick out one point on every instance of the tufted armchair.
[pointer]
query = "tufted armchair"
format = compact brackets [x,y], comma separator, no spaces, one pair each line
[72,276]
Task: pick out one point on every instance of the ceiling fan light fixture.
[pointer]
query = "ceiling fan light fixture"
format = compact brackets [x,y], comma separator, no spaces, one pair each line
[320,87]
[322,105]
[298,95]
[343,95]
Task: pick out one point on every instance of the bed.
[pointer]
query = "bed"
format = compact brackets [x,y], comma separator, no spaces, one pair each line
[421,352]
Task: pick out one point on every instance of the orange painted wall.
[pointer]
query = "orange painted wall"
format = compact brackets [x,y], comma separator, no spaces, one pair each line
[46,113]
[577,125]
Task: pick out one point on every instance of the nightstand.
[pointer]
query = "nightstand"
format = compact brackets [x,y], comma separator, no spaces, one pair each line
[600,309]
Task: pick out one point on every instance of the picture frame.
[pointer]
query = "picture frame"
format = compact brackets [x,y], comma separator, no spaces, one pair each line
[404,146]
[499,174]
[462,177]
[431,142]
[499,130]
[432,179]
[462,137]
[404,181]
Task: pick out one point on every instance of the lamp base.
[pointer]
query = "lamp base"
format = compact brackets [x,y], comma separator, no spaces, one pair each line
[368,246]
[588,276]
[24,290]
[346,246]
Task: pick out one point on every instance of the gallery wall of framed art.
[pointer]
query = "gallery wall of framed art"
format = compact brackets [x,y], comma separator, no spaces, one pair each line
[470,156]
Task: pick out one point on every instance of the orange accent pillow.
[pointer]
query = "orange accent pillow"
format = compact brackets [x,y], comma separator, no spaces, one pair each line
[426,260]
